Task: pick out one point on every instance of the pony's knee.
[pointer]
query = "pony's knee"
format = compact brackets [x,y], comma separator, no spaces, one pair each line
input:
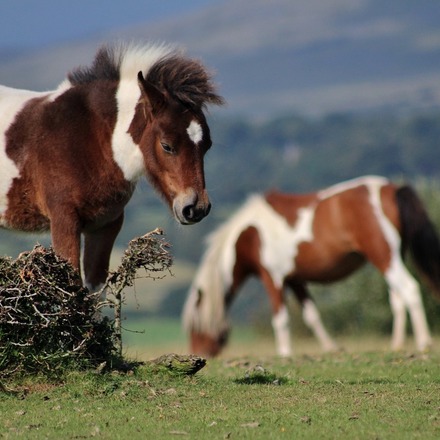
[405,289]
[397,303]
[310,314]
[280,321]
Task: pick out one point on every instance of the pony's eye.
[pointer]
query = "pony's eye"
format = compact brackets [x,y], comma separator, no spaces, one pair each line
[167,148]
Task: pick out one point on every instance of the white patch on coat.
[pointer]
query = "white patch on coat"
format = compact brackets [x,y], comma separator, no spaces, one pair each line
[126,152]
[11,102]
[195,132]
[279,240]
[134,59]
[62,88]
[368,181]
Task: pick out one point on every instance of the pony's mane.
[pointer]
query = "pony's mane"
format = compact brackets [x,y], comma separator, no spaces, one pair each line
[166,67]
[207,313]
[214,275]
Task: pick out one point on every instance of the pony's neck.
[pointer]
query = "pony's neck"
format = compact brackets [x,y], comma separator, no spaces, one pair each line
[126,152]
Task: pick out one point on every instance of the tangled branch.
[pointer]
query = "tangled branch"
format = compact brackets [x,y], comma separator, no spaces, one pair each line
[149,252]
[47,318]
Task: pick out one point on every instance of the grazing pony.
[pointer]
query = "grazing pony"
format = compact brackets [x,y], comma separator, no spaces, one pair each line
[290,239]
[70,158]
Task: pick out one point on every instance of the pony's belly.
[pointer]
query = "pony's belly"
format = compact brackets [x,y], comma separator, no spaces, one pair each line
[19,210]
[325,270]
[26,220]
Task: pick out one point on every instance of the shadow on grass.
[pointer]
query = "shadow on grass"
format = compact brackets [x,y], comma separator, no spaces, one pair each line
[260,379]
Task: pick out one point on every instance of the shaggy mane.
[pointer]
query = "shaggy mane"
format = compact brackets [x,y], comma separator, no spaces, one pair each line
[184,79]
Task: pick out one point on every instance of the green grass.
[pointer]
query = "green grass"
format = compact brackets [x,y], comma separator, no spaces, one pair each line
[351,395]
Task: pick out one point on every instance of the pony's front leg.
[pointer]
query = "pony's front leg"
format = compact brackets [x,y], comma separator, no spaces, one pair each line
[281,328]
[97,250]
[280,316]
[311,315]
[312,318]
[98,246]
[66,236]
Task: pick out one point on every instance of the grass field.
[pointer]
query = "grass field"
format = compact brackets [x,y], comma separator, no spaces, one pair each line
[364,392]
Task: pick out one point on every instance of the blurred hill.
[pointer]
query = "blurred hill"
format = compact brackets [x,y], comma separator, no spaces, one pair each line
[308,56]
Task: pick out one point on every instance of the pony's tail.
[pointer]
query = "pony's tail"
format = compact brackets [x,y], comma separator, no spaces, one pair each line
[419,236]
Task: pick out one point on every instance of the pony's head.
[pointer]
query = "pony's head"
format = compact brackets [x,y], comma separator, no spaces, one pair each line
[174,143]
[173,134]
[204,313]
[205,324]
[158,96]
[207,345]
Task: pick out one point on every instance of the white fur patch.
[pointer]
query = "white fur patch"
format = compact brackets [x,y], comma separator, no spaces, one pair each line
[126,153]
[279,240]
[369,181]
[11,102]
[62,88]
[195,132]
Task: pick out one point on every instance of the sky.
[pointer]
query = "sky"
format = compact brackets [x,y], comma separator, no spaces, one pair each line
[28,24]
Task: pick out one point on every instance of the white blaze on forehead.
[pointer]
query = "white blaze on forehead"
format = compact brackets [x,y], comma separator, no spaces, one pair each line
[195,131]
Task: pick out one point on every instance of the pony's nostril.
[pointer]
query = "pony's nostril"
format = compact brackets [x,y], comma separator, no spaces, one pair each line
[208,209]
[193,212]
[188,212]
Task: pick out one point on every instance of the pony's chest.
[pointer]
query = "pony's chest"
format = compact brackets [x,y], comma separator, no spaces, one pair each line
[106,208]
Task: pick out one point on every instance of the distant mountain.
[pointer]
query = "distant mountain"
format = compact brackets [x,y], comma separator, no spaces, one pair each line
[305,56]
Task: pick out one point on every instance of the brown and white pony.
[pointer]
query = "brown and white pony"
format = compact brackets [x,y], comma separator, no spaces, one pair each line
[289,239]
[70,158]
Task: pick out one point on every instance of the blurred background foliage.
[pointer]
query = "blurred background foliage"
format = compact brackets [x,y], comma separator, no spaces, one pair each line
[296,154]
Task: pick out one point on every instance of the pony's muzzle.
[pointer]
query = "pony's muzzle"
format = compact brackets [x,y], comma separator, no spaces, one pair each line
[189,209]
[206,345]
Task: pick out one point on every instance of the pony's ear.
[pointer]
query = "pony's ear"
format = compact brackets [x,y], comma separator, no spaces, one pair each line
[152,97]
